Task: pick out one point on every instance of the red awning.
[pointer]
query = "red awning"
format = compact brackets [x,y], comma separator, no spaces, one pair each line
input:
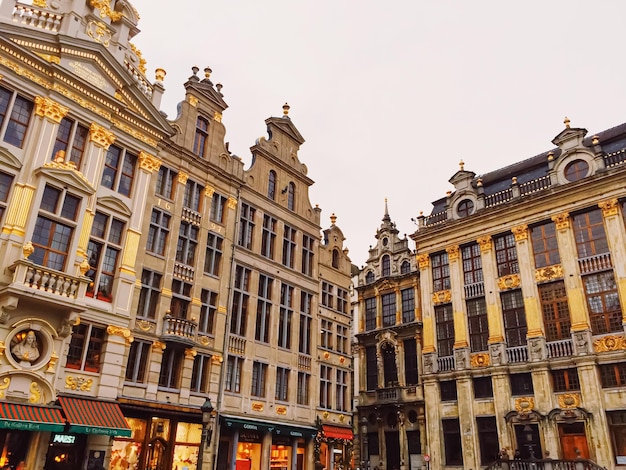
[95,417]
[337,432]
[31,418]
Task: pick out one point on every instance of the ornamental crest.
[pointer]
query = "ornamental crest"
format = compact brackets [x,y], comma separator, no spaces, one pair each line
[549,273]
[609,343]
[524,405]
[511,281]
[569,400]
[442,297]
[480,360]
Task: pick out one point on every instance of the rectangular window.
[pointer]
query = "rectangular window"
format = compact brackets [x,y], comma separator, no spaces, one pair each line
[218,204]
[289,246]
[246,226]
[565,380]
[201,373]
[410,362]
[589,234]
[556,318]
[341,391]
[521,384]
[181,299]
[282,384]
[208,308]
[137,361]
[452,441]
[259,375]
[165,183]
[268,237]
[342,300]
[239,309]
[171,368]
[477,324]
[342,339]
[158,232]
[103,251]
[408,305]
[263,309]
[304,382]
[192,196]
[515,328]
[304,343]
[326,334]
[233,374]
[54,228]
[285,316]
[6,181]
[328,299]
[307,254]
[371,363]
[444,321]
[202,134]
[487,438]
[389,309]
[213,255]
[440,271]
[15,113]
[149,295]
[472,264]
[85,350]
[71,139]
[370,314]
[605,311]
[187,243]
[448,390]
[119,170]
[325,386]
[483,387]
[506,254]
[617,430]
[545,246]
[613,375]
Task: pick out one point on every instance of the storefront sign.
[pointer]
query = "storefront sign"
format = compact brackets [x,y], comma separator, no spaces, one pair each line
[30,426]
[249,436]
[268,427]
[63,439]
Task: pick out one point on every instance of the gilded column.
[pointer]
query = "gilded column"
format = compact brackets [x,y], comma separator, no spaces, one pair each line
[490,274]
[379,309]
[396,291]
[361,313]
[100,139]
[458,307]
[51,114]
[85,231]
[18,210]
[573,282]
[614,224]
[426,283]
[530,293]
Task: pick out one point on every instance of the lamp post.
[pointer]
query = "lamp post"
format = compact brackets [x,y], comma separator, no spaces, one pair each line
[205,437]
[364,452]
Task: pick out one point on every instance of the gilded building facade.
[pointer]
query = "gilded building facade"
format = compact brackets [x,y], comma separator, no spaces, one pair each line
[390,404]
[522,290]
[147,274]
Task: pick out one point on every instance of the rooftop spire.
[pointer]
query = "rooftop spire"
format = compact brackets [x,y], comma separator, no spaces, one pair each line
[386,217]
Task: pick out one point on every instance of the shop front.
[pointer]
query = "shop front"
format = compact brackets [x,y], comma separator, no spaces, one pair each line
[335,444]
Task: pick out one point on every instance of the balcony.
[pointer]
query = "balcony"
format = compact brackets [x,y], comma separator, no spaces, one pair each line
[517,354]
[179,330]
[562,348]
[445,363]
[594,264]
[33,17]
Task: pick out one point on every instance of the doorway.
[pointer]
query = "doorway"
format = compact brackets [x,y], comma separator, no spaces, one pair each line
[392,450]
[528,441]
[573,441]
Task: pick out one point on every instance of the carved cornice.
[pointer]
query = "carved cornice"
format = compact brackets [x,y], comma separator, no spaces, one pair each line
[520,232]
[423,261]
[609,207]
[485,243]
[149,162]
[49,109]
[183,177]
[209,191]
[511,281]
[125,333]
[453,252]
[562,221]
[101,136]
[549,273]
[609,343]
[442,297]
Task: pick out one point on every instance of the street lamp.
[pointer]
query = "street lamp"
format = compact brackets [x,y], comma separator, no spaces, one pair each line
[364,450]
[207,411]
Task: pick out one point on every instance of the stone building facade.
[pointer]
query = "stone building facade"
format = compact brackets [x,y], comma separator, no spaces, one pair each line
[522,287]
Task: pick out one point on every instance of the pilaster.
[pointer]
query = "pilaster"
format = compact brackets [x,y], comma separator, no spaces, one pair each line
[458,306]
[426,283]
[494,312]
[530,293]
[614,224]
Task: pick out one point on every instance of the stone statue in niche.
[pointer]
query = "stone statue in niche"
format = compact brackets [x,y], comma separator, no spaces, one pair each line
[26,350]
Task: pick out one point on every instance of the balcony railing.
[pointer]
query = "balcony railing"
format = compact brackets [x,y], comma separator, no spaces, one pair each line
[499,198]
[179,329]
[237,345]
[544,464]
[593,264]
[615,158]
[183,271]
[535,185]
[58,284]
[561,348]
[304,362]
[27,15]
[191,216]
[445,363]
[474,290]
[387,394]
[517,354]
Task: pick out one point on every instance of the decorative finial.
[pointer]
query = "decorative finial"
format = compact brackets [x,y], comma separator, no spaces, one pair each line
[84,267]
[219,87]
[514,180]
[28,249]
[566,122]
[479,182]
[550,155]
[595,140]
[285,109]
[207,72]
[461,165]
[195,69]
[159,74]
[333,218]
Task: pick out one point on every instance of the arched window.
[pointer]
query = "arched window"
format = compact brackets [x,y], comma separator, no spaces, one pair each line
[336,258]
[405,268]
[465,208]
[369,277]
[386,261]
[202,133]
[291,197]
[271,185]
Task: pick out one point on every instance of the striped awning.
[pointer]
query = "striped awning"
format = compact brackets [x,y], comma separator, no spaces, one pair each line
[31,418]
[337,432]
[94,417]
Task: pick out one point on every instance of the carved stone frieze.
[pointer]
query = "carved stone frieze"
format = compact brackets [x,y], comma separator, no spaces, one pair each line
[442,297]
[549,273]
[511,281]
[520,232]
[609,208]
[562,221]
[609,343]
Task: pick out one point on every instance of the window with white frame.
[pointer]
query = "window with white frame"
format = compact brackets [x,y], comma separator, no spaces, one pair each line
[192,196]
[218,204]
[201,373]
[285,316]
[263,309]
[119,170]
[137,364]
[282,384]
[72,139]
[103,251]
[158,232]
[85,350]
[15,114]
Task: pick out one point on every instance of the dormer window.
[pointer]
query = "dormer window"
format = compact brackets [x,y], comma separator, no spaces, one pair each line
[405,268]
[386,266]
[202,134]
[369,277]
[465,208]
[576,170]
[271,185]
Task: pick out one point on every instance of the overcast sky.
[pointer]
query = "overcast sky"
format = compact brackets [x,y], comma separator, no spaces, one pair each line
[391,95]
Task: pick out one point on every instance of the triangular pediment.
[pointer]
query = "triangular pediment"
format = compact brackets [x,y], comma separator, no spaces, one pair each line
[115,205]
[206,89]
[66,175]
[7,159]
[570,137]
[286,127]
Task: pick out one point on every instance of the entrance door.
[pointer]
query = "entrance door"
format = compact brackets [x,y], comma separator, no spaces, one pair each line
[156,454]
[528,441]
[392,449]
[573,441]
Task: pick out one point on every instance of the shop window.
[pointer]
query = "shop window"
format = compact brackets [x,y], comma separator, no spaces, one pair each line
[15,113]
[171,368]
[137,364]
[85,348]
[186,445]
[506,254]
[149,294]
[72,139]
[119,170]
[103,251]
[158,232]
[54,228]
[208,308]
[447,389]
[165,183]
[565,380]
[487,439]
[192,196]
[125,452]
[521,384]
[452,441]
[213,255]
[201,373]
[545,246]
[483,387]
